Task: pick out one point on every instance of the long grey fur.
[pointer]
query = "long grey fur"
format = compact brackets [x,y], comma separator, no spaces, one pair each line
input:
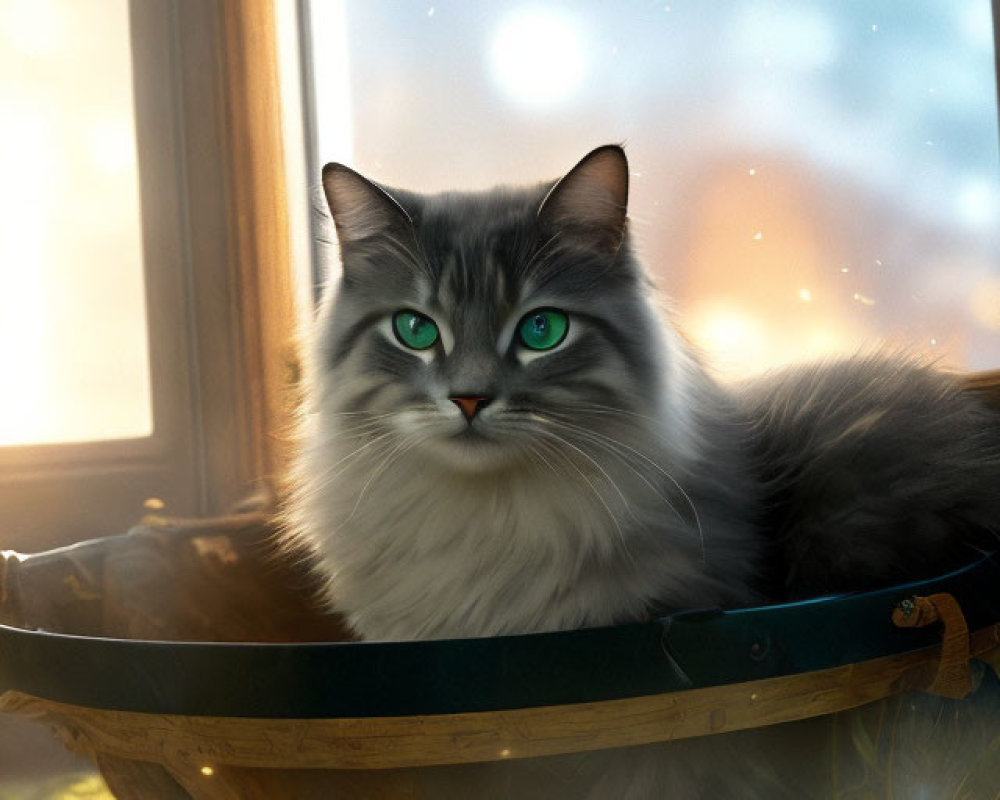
[613,477]
[609,479]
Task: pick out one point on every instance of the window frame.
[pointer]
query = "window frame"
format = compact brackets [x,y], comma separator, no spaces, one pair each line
[220,313]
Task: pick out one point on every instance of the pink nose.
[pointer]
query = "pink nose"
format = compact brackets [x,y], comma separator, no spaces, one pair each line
[470,405]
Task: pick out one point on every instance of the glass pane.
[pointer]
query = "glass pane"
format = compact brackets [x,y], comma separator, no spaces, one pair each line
[808,177]
[73,338]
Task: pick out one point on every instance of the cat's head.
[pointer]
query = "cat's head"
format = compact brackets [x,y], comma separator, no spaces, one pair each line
[487,328]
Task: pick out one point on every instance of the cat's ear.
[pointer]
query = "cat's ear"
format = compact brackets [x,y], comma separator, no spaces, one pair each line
[591,200]
[361,209]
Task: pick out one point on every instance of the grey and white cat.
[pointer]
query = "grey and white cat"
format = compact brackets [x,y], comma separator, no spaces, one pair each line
[504,433]
[463,475]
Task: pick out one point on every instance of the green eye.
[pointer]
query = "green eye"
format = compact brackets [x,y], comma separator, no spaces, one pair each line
[543,328]
[414,329]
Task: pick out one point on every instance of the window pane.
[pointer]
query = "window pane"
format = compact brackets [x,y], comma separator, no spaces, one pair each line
[73,338]
[809,177]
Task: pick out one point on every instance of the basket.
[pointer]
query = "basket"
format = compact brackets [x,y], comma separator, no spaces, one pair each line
[192,659]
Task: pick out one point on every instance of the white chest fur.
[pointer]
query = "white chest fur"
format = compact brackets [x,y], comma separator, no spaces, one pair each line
[423,553]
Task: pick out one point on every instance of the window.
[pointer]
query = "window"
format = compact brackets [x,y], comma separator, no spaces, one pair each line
[146,304]
[75,336]
[808,177]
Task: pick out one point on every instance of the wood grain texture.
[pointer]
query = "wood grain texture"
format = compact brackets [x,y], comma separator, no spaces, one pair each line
[953,678]
[393,742]
[259,216]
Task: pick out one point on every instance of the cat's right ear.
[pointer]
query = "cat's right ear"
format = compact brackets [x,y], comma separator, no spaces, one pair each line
[361,209]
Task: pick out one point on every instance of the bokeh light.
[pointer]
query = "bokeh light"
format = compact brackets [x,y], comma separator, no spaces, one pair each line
[537,56]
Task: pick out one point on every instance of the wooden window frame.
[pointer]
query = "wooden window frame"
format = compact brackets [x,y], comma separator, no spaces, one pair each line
[219,297]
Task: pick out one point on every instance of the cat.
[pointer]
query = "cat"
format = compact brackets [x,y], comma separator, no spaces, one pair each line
[505,433]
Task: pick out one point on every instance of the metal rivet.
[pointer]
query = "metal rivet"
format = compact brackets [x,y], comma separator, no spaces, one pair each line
[759,648]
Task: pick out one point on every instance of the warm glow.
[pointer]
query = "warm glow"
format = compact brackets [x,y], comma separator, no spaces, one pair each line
[207,771]
[34,27]
[738,343]
[73,338]
[537,57]
[112,144]
[821,343]
[733,339]
[985,303]
[24,322]
[769,300]
[728,331]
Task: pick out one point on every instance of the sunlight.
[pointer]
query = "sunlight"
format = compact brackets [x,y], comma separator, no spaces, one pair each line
[35,27]
[23,318]
[738,343]
[73,334]
[537,57]
[984,301]
[735,340]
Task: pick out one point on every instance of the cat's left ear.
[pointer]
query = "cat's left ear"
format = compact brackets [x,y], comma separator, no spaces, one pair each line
[591,200]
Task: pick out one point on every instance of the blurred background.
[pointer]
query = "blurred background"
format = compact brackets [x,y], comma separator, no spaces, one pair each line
[809,176]
[73,333]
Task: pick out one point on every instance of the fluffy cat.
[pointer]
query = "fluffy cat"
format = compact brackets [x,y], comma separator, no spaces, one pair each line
[606,476]
[503,433]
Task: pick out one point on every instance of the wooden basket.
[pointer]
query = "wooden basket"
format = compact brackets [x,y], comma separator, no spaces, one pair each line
[120,644]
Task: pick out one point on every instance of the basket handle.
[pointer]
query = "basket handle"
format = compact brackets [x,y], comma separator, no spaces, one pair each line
[953,678]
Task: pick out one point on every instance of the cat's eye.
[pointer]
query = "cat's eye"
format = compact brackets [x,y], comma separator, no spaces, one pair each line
[415,330]
[543,328]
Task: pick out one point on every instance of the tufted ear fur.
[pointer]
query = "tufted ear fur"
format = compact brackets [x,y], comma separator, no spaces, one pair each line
[361,209]
[591,199]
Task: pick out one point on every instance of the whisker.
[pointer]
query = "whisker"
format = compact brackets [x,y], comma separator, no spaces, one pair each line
[597,493]
[598,408]
[654,465]
[330,473]
[609,445]
[395,454]
[358,414]
[593,461]
[366,427]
